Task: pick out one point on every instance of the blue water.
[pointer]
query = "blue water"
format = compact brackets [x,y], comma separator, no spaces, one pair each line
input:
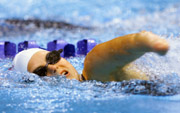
[25,92]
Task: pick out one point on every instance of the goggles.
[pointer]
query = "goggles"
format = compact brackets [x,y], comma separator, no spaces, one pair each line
[51,58]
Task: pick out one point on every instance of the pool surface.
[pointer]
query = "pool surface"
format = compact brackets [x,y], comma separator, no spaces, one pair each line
[105,20]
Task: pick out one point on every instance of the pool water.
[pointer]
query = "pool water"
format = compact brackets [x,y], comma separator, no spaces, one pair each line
[25,92]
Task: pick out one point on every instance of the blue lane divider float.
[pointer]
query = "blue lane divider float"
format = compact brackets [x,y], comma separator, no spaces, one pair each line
[69,49]
[8,49]
[26,45]
[84,46]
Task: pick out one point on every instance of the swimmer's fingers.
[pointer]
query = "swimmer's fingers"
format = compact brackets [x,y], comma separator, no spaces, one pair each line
[152,42]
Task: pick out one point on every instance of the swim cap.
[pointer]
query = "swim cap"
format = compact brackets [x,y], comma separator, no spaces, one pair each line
[21,59]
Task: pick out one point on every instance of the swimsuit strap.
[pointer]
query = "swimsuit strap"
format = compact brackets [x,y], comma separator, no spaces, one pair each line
[82,77]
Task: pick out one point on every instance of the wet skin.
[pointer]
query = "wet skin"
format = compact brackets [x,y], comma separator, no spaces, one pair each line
[108,61]
[62,67]
[113,60]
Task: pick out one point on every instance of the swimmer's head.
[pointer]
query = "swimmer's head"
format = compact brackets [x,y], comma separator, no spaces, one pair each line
[33,60]
[21,59]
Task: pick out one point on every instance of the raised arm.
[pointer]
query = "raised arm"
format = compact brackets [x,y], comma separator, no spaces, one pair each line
[111,60]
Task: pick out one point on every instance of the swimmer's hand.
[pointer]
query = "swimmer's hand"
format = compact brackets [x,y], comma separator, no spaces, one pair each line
[109,60]
[151,43]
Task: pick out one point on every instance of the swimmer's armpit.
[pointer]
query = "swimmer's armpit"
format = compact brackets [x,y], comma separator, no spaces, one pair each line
[114,55]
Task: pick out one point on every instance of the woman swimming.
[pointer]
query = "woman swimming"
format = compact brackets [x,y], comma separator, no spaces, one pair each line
[108,61]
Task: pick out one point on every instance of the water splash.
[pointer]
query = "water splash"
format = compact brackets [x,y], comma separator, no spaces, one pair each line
[25,91]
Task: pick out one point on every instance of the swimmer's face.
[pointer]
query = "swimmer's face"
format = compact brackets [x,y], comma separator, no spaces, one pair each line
[62,67]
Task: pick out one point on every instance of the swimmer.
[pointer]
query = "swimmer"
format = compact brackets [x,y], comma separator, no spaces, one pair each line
[108,61]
